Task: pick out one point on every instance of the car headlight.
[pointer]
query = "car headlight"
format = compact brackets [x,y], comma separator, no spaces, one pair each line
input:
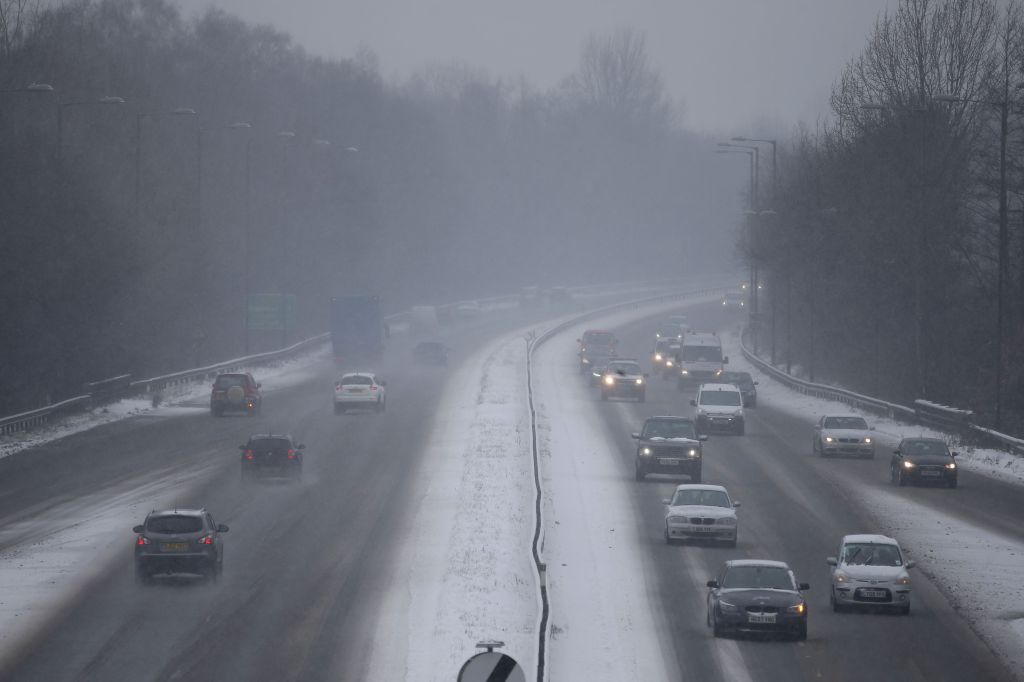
[639,381]
[842,577]
[609,381]
[798,609]
[723,303]
[951,465]
[694,453]
[727,606]
[727,521]
[718,372]
[684,372]
[657,357]
[668,363]
[907,464]
[646,452]
[677,519]
[903,580]
[868,441]
[586,361]
[829,439]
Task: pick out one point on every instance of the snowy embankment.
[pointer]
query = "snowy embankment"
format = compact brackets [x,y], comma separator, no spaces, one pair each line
[980,572]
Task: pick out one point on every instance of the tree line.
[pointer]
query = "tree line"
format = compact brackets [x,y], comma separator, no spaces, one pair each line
[892,257]
[156,169]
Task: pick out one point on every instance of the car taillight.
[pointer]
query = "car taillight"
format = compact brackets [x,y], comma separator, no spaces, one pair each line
[291,454]
[142,540]
[249,454]
[337,386]
[373,388]
[206,540]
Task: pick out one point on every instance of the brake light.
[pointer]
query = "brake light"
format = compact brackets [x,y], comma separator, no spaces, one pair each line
[337,386]
[206,540]
[249,454]
[142,540]
[373,388]
[291,454]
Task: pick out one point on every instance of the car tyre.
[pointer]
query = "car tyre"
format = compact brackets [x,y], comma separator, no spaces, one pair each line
[801,632]
[836,606]
[143,577]
[742,429]
[901,480]
[731,544]
[905,610]
[716,629]
[338,409]
[668,540]
[381,405]
[640,473]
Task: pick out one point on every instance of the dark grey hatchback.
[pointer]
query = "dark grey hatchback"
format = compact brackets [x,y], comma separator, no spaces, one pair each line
[178,541]
[923,460]
[756,595]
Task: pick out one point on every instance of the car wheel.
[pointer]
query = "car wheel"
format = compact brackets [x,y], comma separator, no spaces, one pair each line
[905,610]
[801,632]
[216,413]
[716,629]
[640,473]
[337,409]
[753,402]
[833,603]
[381,405]
[901,480]
[732,543]
[742,429]
[143,577]
[668,540]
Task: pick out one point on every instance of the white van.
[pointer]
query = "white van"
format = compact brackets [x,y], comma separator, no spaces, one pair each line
[700,359]
[719,407]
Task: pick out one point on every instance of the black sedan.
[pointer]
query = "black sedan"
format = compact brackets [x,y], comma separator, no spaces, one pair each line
[269,455]
[757,596]
[923,460]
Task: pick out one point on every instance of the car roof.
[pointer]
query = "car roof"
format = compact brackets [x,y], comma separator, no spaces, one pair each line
[842,416]
[869,539]
[270,435]
[701,486]
[178,512]
[924,438]
[756,562]
[668,417]
[701,339]
[718,387]
[358,374]
[596,331]
[619,359]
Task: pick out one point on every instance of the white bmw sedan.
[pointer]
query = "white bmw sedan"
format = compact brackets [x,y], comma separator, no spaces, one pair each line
[700,511]
[870,570]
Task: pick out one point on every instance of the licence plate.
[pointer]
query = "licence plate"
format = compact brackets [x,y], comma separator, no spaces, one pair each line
[174,546]
[931,473]
[761,617]
[703,529]
[669,462]
[873,594]
[356,390]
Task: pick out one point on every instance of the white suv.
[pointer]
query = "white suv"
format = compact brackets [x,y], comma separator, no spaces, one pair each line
[359,389]
[870,570]
[719,406]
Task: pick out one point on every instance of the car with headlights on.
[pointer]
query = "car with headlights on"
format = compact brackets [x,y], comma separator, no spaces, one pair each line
[719,408]
[360,389]
[669,330]
[666,356]
[272,455]
[623,378]
[923,460]
[734,300]
[757,596]
[744,382]
[178,541]
[595,344]
[701,512]
[669,445]
[870,570]
[836,434]
[596,359]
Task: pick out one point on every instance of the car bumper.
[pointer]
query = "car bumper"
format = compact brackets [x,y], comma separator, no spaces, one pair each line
[708,424]
[848,450]
[926,476]
[175,563]
[653,464]
[740,622]
[623,391]
[871,595]
[358,399]
[692,532]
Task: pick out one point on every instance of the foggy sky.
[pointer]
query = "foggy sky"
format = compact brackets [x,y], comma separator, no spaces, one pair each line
[733,63]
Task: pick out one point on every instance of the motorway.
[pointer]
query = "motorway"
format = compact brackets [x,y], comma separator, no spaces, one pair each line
[305,564]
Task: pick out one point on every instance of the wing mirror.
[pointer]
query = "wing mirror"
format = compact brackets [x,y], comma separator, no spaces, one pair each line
[693,402]
[666,501]
[896,452]
[713,584]
[725,360]
[259,385]
[242,447]
[757,383]
[635,435]
[221,528]
[702,437]
[955,454]
[803,586]
[871,428]
[300,446]
[831,561]
[911,563]
[139,529]
[737,504]
[383,383]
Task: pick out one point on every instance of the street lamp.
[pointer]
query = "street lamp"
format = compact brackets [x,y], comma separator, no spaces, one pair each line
[61,106]
[247,228]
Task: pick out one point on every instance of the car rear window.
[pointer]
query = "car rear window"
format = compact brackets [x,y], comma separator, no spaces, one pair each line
[356,381]
[174,524]
[228,380]
[270,444]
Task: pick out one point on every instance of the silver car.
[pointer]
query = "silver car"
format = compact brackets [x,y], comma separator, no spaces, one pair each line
[870,570]
[847,435]
[701,512]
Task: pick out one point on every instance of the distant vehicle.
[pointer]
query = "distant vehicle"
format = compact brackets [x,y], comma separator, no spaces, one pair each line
[431,353]
[235,392]
[870,570]
[923,460]
[669,330]
[681,320]
[719,408]
[701,512]
[271,455]
[596,337]
[843,435]
[666,356]
[757,595]
[623,378]
[597,362]
[357,328]
[734,300]
[669,445]
[179,541]
[595,344]
[744,382]
[700,359]
[359,389]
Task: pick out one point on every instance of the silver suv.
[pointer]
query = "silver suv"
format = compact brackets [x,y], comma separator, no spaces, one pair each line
[178,541]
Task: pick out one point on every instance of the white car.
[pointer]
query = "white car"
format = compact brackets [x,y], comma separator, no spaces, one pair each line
[843,435]
[359,389]
[870,570]
[697,510]
[719,407]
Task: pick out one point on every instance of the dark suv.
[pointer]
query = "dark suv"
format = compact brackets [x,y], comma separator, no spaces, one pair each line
[178,541]
[744,382]
[669,445]
[235,392]
[271,455]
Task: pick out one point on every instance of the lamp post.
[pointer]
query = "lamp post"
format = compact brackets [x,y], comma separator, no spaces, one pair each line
[286,136]
[247,227]
[61,106]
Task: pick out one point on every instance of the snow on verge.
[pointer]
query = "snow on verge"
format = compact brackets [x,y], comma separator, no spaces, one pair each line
[466,573]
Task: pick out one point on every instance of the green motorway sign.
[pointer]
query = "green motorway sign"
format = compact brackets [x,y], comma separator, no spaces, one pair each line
[270,312]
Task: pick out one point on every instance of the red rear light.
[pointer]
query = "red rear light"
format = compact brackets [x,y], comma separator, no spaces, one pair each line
[142,540]
[248,454]
[206,540]
[337,386]
[291,454]
[373,388]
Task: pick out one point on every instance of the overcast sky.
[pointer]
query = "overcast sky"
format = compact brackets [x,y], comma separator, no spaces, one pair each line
[733,63]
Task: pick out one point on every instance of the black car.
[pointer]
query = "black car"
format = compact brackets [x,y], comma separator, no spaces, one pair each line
[431,353]
[596,358]
[669,445]
[271,456]
[757,596]
[744,382]
[923,460]
[178,541]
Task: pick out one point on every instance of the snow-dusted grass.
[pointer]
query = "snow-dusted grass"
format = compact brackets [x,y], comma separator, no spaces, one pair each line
[173,400]
[980,572]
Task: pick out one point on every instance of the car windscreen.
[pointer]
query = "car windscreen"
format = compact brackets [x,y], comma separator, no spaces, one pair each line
[702,353]
[356,381]
[669,330]
[666,346]
[924,447]
[703,498]
[871,555]
[670,428]
[845,423]
[174,524]
[598,338]
[263,444]
[726,398]
[624,368]
[229,380]
[741,379]
[758,577]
